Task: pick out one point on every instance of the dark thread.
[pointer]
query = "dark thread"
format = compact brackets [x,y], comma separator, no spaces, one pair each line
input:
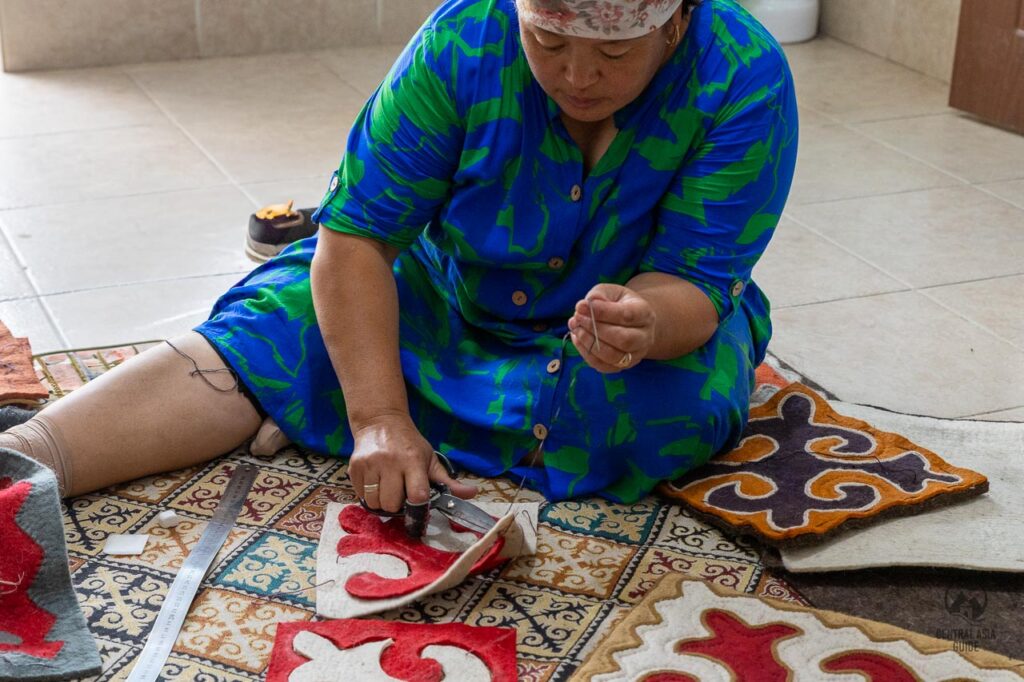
[201,373]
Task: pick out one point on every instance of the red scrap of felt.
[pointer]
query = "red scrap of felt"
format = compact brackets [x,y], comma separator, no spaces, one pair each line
[19,564]
[766,374]
[495,647]
[670,677]
[18,380]
[746,649]
[368,534]
[873,666]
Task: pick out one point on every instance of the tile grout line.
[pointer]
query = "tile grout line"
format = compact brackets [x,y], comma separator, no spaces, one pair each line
[119,285]
[859,197]
[54,133]
[176,190]
[975,323]
[908,285]
[191,138]
[849,251]
[889,145]
[38,297]
[982,188]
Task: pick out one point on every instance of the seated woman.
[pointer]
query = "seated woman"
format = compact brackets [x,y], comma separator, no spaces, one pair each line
[535,257]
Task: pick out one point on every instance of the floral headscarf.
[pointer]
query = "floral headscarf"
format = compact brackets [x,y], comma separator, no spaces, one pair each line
[602,19]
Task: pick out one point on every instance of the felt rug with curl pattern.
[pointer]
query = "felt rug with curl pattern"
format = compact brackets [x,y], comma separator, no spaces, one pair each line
[595,560]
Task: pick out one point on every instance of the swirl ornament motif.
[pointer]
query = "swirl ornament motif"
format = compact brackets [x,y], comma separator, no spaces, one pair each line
[803,471]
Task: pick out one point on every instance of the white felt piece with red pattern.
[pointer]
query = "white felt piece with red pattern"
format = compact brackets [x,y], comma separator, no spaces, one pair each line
[367,565]
[386,651]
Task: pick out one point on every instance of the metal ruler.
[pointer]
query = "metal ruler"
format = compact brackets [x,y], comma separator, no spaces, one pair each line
[168,624]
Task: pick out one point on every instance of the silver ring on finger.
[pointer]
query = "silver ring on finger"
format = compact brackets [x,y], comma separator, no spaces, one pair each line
[626,360]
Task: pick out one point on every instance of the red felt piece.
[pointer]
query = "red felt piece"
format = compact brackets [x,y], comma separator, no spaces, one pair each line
[19,563]
[495,647]
[747,650]
[369,534]
[670,677]
[873,666]
[18,380]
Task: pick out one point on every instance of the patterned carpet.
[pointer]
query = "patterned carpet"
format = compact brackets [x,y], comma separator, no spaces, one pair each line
[595,560]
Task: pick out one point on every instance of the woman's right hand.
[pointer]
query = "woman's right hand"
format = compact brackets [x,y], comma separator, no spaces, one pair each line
[392,463]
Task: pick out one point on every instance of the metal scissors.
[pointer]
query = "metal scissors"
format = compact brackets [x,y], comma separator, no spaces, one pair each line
[460,511]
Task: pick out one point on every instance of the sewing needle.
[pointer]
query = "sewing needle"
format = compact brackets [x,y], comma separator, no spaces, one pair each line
[593,321]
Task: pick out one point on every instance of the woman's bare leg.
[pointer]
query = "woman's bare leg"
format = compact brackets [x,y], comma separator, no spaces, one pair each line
[152,414]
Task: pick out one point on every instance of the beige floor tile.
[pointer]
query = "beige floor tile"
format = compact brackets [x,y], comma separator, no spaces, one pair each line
[1011,190]
[13,280]
[993,303]
[70,167]
[257,27]
[362,68]
[306,193]
[902,352]
[957,144]
[133,239]
[139,312]
[263,118]
[921,237]
[1014,415]
[801,267]
[837,163]
[222,88]
[826,52]
[60,101]
[275,145]
[26,317]
[861,87]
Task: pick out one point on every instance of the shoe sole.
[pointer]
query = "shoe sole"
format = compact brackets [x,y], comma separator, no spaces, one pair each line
[261,253]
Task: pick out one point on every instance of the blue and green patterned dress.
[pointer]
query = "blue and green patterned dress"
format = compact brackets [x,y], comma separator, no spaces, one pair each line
[461,160]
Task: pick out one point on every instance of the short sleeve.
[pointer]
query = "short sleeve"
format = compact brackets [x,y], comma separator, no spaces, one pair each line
[402,152]
[726,201]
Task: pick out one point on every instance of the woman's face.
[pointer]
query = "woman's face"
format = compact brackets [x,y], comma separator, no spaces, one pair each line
[592,79]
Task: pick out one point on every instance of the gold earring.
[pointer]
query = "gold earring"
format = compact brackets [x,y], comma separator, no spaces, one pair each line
[675,35]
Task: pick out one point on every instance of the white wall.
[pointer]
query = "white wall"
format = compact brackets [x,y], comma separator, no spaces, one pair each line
[920,34]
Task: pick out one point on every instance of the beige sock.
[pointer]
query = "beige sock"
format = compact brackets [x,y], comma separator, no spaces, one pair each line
[164,410]
[42,440]
[269,440]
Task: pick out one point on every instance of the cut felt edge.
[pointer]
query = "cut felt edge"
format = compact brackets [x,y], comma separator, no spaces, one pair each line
[495,644]
[602,661]
[935,493]
[353,607]
[955,537]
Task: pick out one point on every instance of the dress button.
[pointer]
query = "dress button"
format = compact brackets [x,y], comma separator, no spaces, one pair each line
[334,183]
[540,431]
[519,298]
[576,193]
[737,288]
[554,366]
[556,263]
[540,327]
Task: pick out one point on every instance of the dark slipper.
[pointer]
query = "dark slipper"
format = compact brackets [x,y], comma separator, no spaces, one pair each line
[274,227]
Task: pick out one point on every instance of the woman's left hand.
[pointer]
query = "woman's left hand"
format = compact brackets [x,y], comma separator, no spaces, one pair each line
[625,327]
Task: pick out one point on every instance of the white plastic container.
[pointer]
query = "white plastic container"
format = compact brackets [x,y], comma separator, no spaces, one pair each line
[790,21]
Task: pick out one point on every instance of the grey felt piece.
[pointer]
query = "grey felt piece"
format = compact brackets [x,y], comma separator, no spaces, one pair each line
[976,610]
[40,518]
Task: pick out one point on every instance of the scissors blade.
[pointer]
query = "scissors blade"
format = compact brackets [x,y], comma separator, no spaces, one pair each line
[464,513]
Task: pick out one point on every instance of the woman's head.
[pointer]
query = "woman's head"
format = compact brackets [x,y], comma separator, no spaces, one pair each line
[593,57]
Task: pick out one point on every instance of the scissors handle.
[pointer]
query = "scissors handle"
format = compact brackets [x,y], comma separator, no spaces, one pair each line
[436,491]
